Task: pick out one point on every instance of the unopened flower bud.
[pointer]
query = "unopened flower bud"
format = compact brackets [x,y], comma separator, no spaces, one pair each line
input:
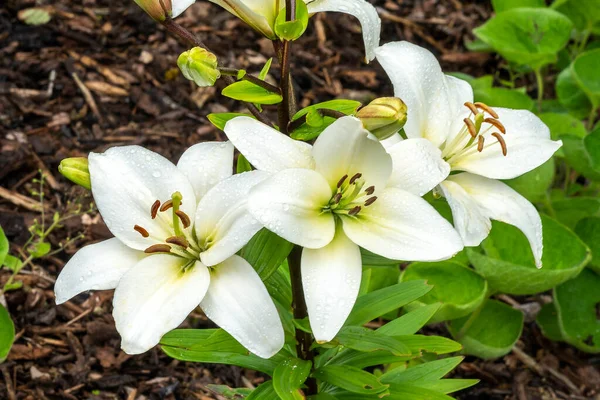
[160,10]
[199,65]
[384,116]
[76,170]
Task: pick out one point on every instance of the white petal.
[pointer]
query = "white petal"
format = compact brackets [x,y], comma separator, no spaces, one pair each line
[344,148]
[223,223]
[179,6]
[403,226]
[266,148]
[238,302]
[391,141]
[126,181]
[98,266]
[435,101]
[155,297]
[207,164]
[500,202]
[418,166]
[331,279]
[528,143]
[259,14]
[362,10]
[290,204]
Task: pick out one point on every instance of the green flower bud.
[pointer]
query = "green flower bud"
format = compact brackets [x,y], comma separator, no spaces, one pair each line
[76,170]
[199,65]
[383,117]
[155,10]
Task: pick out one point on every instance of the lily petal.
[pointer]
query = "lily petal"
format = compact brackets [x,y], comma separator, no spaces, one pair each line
[259,14]
[403,226]
[331,279]
[126,181]
[418,166]
[206,164]
[238,302]
[155,297]
[362,10]
[290,204]
[498,201]
[434,100]
[528,146]
[179,6]
[223,223]
[266,148]
[98,266]
[344,148]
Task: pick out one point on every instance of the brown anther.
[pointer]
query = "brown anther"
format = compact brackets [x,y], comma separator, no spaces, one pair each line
[502,143]
[185,220]
[370,190]
[154,209]
[497,124]
[341,181]
[166,205]
[178,240]
[472,107]
[141,231]
[354,211]
[355,178]
[480,144]
[158,248]
[487,109]
[471,127]
[337,198]
[370,201]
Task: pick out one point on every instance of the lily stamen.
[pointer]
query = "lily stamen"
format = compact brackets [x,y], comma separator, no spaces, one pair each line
[158,248]
[472,107]
[471,127]
[480,144]
[370,201]
[179,241]
[141,231]
[487,109]
[354,211]
[497,124]
[342,180]
[154,209]
[502,143]
[166,205]
[355,178]
[370,190]
[185,219]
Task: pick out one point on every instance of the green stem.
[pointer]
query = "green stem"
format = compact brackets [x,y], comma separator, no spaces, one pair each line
[471,319]
[540,87]
[592,117]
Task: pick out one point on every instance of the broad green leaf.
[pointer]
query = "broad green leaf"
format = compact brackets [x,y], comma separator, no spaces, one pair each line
[221,119]
[12,263]
[572,210]
[307,132]
[584,154]
[243,165]
[429,344]
[491,333]
[266,252]
[410,322]
[547,319]
[505,5]
[563,124]
[351,379]
[289,376]
[460,289]
[263,392]
[508,265]
[7,333]
[502,97]
[279,285]
[446,386]
[577,302]
[571,95]
[372,259]
[588,230]
[410,392]
[186,337]
[380,302]
[426,372]
[3,246]
[292,30]
[534,184]
[583,13]
[230,393]
[585,68]
[367,340]
[252,93]
[527,36]
[39,249]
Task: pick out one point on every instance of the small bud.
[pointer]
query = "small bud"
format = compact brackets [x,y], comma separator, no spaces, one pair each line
[76,170]
[155,9]
[199,65]
[384,116]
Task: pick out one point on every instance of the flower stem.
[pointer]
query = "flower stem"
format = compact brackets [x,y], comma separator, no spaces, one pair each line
[540,87]
[286,108]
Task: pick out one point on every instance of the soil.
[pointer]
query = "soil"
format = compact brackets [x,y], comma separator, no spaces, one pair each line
[100,74]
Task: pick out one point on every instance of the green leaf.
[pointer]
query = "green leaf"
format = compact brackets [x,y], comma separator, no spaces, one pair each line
[583,154]
[3,246]
[583,14]
[410,322]
[505,5]
[292,30]
[509,266]
[527,36]
[572,210]
[534,184]
[491,333]
[351,379]
[410,392]
[502,97]
[35,16]
[265,69]
[40,249]
[243,165]
[563,124]
[460,289]
[7,333]
[307,132]
[289,377]
[266,391]
[380,302]
[588,230]
[221,119]
[446,386]
[12,263]
[230,393]
[279,285]
[367,340]
[547,319]
[571,95]
[266,252]
[430,344]
[426,372]
[252,93]
[585,68]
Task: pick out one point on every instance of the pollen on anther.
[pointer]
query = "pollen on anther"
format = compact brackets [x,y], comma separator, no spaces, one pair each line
[337,198]
[166,205]
[471,127]
[185,220]
[497,124]
[342,180]
[480,144]
[158,248]
[154,209]
[370,190]
[355,178]
[141,231]
[178,240]
[354,211]
[370,201]
[487,109]
[502,143]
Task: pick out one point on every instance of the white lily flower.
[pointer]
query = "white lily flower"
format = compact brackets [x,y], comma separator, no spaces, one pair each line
[261,16]
[168,256]
[482,143]
[335,196]
[172,8]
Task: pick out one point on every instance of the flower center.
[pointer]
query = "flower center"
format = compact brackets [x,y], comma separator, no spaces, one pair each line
[474,134]
[349,197]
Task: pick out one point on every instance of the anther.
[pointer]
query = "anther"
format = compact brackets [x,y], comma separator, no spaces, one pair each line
[341,181]
[178,240]
[471,127]
[337,198]
[167,204]
[141,231]
[185,220]
[502,143]
[158,248]
[370,201]
[472,107]
[355,178]
[370,190]
[354,211]
[487,109]
[497,124]
[480,144]
[154,209]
